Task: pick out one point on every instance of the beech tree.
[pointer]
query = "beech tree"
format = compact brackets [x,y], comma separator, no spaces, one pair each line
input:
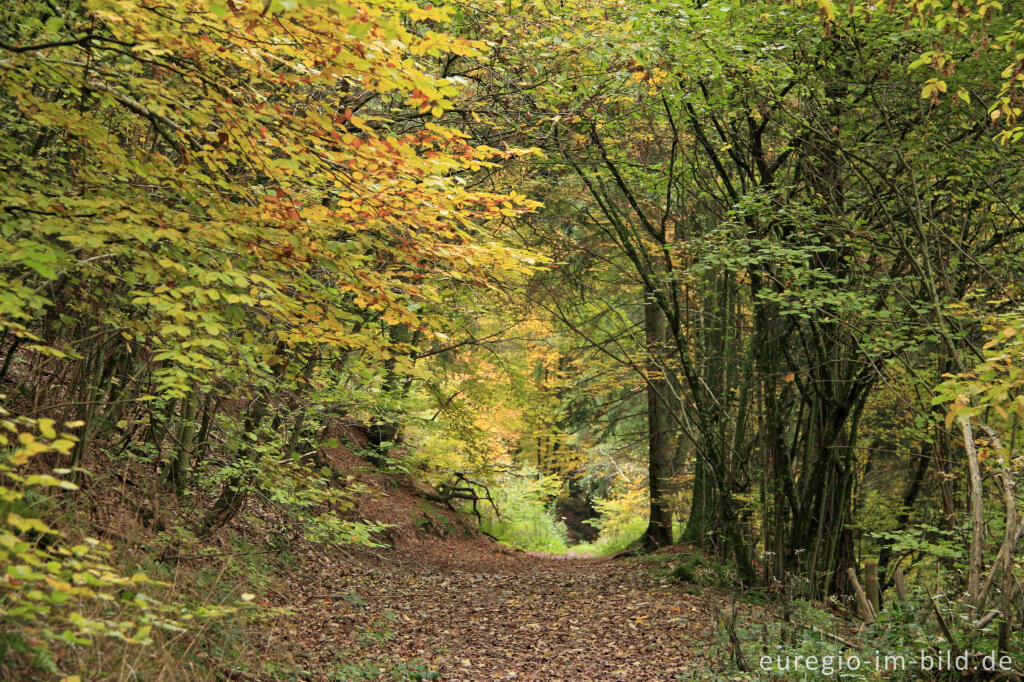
[213,211]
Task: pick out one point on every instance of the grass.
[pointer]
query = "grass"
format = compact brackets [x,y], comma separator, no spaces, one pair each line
[532,528]
[192,585]
[613,539]
[527,520]
[209,648]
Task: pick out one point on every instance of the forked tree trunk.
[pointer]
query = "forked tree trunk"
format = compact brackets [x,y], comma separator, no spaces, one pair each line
[236,488]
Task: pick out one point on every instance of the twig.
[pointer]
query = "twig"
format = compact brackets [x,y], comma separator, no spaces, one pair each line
[943,626]
[179,557]
[837,638]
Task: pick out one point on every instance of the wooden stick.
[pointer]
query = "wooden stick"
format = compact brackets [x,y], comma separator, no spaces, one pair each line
[977,511]
[836,638]
[944,627]
[866,612]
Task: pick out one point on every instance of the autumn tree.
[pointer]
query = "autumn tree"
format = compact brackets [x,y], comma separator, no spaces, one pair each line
[224,223]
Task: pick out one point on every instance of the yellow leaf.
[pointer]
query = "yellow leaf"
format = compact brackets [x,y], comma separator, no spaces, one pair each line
[62,445]
[23,524]
[46,428]
[950,416]
[48,481]
[24,454]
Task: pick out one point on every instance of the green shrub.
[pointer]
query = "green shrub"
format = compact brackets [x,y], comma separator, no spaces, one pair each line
[531,527]
[622,522]
[527,519]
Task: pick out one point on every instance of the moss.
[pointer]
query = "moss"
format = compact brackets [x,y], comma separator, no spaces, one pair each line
[696,568]
[432,521]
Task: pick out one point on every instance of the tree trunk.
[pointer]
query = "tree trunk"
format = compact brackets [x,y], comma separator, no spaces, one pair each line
[178,471]
[236,488]
[700,522]
[659,434]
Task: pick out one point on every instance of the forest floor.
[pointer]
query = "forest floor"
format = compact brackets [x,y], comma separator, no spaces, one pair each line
[471,610]
[437,599]
[443,601]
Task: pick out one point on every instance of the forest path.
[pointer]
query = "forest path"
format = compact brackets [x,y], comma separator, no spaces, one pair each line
[491,614]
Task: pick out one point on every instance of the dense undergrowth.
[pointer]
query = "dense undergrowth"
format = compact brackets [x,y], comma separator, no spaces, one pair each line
[115,598]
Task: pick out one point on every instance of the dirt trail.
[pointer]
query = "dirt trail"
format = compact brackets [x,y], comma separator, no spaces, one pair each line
[478,612]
